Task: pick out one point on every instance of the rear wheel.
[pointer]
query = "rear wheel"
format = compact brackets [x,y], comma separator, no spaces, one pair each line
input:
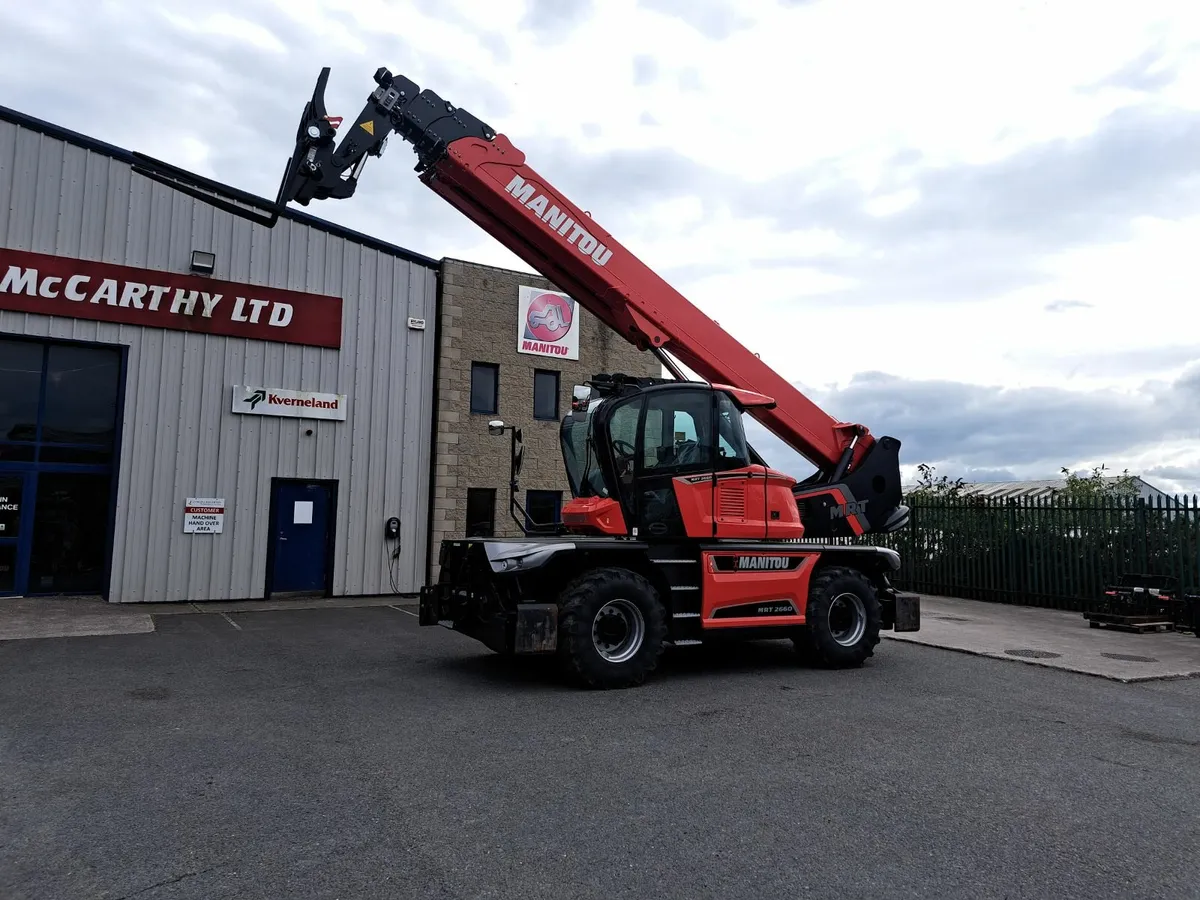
[842,619]
[611,628]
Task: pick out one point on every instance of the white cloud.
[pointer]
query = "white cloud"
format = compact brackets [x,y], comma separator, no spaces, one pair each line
[229,27]
[990,194]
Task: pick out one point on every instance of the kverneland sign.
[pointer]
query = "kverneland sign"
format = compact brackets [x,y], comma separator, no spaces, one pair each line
[262,401]
[82,289]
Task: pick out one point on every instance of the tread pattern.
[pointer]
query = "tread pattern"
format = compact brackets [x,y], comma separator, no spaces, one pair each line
[815,643]
[578,605]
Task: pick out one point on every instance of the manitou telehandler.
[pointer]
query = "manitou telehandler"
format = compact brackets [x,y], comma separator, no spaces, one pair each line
[677,531]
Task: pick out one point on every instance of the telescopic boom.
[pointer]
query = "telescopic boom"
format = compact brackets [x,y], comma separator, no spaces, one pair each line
[484,176]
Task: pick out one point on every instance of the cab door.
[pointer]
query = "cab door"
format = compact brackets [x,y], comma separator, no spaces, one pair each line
[680,462]
[675,464]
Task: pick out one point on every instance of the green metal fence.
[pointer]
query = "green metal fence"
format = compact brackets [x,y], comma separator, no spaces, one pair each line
[1043,552]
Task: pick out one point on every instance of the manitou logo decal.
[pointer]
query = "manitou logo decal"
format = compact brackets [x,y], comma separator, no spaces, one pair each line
[763,562]
[757,563]
[558,221]
[549,318]
[851,508]
[547,324]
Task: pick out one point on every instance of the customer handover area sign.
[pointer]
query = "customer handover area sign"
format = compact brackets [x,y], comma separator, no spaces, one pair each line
[261,401]
[85,289]
[203,515]
[547,324]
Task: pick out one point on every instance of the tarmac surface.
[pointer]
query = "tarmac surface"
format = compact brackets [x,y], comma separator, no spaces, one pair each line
[1060,640]
[348,753]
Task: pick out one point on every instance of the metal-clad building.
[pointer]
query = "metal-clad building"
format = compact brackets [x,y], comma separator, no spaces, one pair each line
[170,433]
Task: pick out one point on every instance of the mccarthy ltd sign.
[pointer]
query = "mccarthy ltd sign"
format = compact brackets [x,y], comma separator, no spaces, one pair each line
[83,289]
[261,401]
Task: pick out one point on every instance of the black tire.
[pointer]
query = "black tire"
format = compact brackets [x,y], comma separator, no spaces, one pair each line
[626,599]
[842,619]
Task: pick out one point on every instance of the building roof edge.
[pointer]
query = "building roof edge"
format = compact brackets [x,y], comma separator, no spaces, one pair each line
[24,120]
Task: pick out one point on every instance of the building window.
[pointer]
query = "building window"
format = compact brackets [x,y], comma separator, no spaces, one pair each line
[485,388]
[481,512]
[543,508]
[545,394]
[81,397]
[21,365]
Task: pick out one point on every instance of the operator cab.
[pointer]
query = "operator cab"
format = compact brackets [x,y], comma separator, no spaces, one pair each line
[653,458]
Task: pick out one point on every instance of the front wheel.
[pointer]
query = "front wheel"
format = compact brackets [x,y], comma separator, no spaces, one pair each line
[611,628]
[842,620]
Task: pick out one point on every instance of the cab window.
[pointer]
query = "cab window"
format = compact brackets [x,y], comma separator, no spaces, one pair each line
[732,450]
[678,433]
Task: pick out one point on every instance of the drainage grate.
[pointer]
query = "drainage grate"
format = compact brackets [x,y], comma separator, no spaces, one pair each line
[1127,657]
[1033,654]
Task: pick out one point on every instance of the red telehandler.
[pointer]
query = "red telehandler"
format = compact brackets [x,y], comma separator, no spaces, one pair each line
[677,531]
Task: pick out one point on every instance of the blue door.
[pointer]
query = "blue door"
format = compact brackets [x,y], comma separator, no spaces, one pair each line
[302,532]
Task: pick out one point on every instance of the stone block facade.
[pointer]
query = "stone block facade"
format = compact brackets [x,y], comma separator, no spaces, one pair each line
[479,309]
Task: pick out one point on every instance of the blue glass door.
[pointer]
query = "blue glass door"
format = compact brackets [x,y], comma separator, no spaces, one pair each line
[59,424]
[16,502]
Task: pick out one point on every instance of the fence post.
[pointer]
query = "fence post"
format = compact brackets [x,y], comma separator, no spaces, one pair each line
[1014,549]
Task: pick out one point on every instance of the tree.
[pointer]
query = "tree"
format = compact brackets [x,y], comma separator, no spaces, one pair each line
[1095,486]
[929,485]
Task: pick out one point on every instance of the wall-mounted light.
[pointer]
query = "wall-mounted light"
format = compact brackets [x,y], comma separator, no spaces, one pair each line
[203,262]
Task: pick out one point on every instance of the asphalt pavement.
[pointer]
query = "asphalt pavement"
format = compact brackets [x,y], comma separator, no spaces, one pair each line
[347,753]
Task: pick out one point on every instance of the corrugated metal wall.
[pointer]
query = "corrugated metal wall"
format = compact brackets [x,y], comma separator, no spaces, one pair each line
[179,438]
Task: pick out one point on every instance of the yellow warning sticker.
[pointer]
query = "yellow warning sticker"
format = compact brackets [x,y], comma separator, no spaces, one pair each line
[368,126]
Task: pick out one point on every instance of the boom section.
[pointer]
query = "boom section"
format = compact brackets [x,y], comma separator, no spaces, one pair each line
[484,176]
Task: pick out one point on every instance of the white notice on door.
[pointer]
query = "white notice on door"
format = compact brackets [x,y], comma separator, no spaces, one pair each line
[303,513]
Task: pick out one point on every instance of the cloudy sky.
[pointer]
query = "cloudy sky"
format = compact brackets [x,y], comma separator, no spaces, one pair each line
[972,226]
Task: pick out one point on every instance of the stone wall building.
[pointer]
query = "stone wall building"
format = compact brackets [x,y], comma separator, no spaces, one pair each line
[482,376]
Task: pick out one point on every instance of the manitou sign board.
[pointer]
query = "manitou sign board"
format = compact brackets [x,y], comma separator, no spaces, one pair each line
[83,289]
[547,324]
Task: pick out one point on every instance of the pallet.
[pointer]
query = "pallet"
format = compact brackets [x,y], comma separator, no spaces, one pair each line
[1137,624]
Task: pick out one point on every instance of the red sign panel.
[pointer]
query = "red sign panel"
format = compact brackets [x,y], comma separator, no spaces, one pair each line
[82,289]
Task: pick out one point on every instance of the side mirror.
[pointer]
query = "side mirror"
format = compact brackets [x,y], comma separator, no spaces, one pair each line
[581,396]
[496,426]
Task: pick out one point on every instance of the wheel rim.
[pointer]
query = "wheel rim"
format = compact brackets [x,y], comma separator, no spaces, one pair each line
[847,619]
[618,631]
